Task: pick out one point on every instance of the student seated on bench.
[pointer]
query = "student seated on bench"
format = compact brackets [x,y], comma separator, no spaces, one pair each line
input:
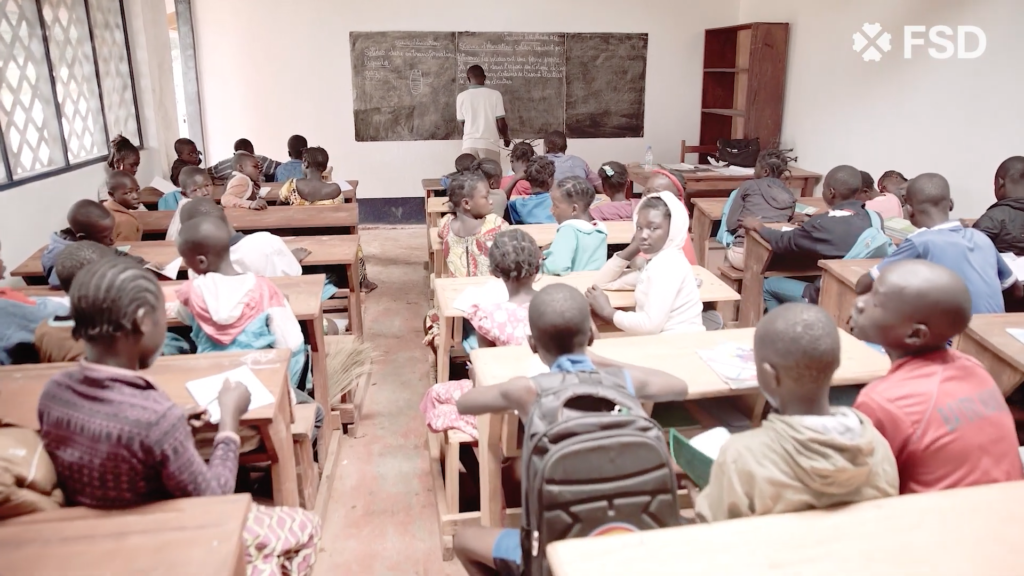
[807,454]
[117,441]
[940,410]
[561,332]
[827,234]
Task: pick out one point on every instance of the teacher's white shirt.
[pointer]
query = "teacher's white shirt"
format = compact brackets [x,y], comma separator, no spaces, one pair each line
[480,107]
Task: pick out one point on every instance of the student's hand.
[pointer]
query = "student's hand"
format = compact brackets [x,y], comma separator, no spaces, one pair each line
[798,218]
[600,303]
[638,263]
[258,204]
[507,142]
[234,400]
[751,223]
[301,253]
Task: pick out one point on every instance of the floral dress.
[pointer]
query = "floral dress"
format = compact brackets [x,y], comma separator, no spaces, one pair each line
[290,195]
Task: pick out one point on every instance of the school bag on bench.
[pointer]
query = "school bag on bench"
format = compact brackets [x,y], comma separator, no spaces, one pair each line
[593,464]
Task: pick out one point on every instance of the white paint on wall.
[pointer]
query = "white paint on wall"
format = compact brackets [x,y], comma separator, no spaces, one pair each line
[959,118]
[270,69]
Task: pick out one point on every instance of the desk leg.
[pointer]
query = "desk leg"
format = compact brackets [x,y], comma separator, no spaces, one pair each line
[489,427]
[444,348]
[808,188]
[1007,377]
[282,454]
[355,301]
[321,394]
[701,235]
[440,264]
[752,292]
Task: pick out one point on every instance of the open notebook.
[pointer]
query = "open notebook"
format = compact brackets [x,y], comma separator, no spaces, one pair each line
[206,390]
[733,363]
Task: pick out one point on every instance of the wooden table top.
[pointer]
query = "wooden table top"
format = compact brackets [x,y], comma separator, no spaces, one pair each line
[713,207]
[912,534]
[326,251]
[273,218]
[303,294]
[21,385]
[848,271]
[150,195]
[990,330]
[640,174]
[544,234]
[198,536]
[677,355]
[440,204]
[448,290]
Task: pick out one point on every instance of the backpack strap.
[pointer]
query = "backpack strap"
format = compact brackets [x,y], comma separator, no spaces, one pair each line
[616,377]
[876,220]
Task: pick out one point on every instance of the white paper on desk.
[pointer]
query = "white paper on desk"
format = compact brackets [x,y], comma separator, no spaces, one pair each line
[345,186]
[1017,333]
[170,271]
[492,292]
[734,171]
[124,249]
[264,191]
[163,185]
[681,166]
[710,442]
[206,390]
[1015,264]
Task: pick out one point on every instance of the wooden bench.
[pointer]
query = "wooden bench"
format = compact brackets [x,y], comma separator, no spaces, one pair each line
[283,220]
[674,353]
[733,278]
[196,536]
[21,386]
[912,534]
[707,211]
[349,412]
[760,263]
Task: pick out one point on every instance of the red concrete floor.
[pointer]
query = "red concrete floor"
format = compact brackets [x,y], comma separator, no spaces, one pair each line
[382,520]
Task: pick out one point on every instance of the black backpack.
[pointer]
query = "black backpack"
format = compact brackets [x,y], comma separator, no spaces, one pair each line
[593,464]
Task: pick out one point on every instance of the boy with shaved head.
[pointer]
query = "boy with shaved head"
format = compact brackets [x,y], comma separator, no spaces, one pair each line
[965,251]
[827,234]
[807,455]
[560,329]
[940,410]
[1003,222]
[87,220]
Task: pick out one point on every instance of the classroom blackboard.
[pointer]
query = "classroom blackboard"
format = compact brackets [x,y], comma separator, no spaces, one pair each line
[529,71]
[605,79]
[404,84]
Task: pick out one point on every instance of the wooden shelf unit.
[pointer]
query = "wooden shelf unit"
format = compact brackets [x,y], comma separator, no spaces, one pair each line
[744,83]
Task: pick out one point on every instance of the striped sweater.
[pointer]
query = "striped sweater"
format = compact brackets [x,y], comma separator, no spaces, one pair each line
[118,441]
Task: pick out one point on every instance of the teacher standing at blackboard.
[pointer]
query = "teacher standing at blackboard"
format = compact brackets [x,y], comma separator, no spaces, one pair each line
[481,114]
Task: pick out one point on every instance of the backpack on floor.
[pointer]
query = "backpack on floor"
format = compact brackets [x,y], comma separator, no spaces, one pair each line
[872,243]
[593,464]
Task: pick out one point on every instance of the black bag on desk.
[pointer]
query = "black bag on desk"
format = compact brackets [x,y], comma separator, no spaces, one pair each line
[739,152]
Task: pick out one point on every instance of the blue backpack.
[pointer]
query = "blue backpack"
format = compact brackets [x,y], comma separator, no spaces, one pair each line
[872,243]
[723,233]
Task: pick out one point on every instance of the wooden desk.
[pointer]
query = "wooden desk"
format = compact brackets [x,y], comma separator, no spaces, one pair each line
[448,290]
[619,233]
[838,284]
[711,184]
[150,197]
[707,211]
[303,294]
[987,340]
[311,220]
[948,533]
[758,263]
[438,206]
[21,386]
[197,536]
[673,353]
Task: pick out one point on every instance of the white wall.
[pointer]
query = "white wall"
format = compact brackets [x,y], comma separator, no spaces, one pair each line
[30,213]
[297,77]
[960,118]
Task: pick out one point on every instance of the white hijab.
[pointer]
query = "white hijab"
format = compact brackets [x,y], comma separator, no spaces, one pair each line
[680,225]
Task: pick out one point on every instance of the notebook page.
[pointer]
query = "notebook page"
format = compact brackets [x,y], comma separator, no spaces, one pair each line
[206,390]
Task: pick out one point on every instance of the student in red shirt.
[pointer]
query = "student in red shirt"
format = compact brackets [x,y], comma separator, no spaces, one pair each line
[940,410]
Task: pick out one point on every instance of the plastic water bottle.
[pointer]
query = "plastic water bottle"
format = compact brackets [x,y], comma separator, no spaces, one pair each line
[649,159]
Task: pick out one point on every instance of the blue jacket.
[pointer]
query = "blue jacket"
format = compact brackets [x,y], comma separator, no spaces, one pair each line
[534,209]
[58,242]
[578,246]
[18,323]
[169,201]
